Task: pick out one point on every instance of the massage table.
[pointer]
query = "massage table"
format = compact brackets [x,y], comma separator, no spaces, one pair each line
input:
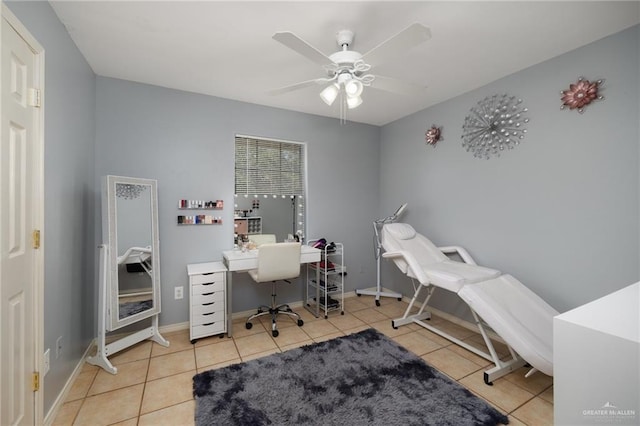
[498,301]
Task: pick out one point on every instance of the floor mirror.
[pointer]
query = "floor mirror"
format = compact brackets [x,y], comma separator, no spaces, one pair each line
[129,275]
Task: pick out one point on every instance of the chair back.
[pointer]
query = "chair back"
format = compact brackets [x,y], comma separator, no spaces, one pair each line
[260,239]
[402,237]
[278,261]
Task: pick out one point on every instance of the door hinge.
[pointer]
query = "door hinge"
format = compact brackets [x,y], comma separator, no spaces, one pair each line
[36,239]
[35,99]
[36,381]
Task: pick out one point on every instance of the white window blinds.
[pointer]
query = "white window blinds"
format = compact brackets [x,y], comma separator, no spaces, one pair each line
[269,167]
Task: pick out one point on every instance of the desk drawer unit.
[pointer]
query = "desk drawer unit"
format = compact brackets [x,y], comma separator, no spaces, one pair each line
[207,300]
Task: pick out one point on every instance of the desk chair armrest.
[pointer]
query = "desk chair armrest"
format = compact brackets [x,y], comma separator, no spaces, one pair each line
[411,261]
[466,257]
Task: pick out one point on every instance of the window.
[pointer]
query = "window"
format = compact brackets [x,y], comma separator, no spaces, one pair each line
[269,167]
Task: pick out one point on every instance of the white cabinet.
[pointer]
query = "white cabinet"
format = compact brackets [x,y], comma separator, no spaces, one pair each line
[596,361]
[207,299]
[324,289]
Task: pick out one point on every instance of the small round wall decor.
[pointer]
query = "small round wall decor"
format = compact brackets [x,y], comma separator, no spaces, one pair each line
[580,94]
[496,123]
[433,135]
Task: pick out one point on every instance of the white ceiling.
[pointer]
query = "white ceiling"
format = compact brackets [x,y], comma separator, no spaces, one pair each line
[225,49]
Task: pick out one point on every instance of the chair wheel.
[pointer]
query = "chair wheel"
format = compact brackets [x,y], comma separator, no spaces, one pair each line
[300,323]
[248,325]
[399,299]
[275,333]
[193,342]
[377,303]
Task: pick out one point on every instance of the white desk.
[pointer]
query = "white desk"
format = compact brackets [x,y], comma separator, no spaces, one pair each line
[239,261]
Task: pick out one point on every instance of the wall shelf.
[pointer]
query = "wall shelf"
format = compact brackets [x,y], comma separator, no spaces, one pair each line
[200,219]
[200,205]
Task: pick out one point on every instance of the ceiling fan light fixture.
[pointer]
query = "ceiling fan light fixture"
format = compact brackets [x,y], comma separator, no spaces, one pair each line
[353,101]
[330,93]
[353,87]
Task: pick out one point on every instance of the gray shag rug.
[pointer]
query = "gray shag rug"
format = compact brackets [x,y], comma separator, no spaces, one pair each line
[360,379]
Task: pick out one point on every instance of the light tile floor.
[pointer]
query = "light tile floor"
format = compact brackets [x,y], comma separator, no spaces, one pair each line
[154,384]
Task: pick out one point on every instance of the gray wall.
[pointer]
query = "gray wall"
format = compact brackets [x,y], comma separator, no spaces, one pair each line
[559,212]
[186,142]
[68,239]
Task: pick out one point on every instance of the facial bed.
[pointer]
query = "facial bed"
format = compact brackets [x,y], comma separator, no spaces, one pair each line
[518,316]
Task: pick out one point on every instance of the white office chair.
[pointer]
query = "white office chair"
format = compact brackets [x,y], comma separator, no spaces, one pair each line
[276,262]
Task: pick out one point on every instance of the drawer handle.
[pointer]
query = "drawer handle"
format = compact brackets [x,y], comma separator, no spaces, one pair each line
[211,283]
[209,323]
[208,304]
[208,273]
[208,294]
[209,313]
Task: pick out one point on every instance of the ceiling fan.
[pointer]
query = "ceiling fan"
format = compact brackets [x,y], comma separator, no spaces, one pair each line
[348,71]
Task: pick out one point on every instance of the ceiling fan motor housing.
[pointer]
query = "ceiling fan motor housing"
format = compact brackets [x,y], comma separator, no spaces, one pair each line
[344,37]
[345,57]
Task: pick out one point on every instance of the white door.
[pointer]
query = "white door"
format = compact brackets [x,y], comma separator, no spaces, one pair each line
[20,275]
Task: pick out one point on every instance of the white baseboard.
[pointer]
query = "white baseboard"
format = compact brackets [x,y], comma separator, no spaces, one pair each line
[62,396]
[174,327]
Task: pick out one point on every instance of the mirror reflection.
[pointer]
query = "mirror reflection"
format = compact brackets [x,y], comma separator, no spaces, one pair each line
[134,258]
[135,268]
[281,216]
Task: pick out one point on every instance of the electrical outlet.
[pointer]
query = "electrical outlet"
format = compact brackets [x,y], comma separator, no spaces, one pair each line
[58,347]
[46,362]
[178,294]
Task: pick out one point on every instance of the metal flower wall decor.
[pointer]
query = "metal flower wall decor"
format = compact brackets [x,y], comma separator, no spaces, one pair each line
[433,135]
[496,123]
[580,94]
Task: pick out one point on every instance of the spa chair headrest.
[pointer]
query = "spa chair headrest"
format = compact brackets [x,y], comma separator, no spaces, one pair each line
[400,231]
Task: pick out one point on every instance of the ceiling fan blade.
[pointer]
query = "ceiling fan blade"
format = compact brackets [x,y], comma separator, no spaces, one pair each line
[298,86]
[389,84]
[404,40]
[294,42]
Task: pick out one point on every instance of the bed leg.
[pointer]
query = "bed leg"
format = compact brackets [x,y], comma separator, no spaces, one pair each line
[421,315]
[486,380]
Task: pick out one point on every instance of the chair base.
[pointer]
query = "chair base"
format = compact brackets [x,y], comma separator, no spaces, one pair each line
[274,311]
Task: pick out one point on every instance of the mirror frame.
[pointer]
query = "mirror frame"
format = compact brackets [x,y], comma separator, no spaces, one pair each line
[109,234]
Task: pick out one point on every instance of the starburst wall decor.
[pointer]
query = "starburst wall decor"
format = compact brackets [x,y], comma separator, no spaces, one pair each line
[496,123]
[580,94]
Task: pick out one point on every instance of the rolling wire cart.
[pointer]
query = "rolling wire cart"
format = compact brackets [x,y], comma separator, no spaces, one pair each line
[324,289]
